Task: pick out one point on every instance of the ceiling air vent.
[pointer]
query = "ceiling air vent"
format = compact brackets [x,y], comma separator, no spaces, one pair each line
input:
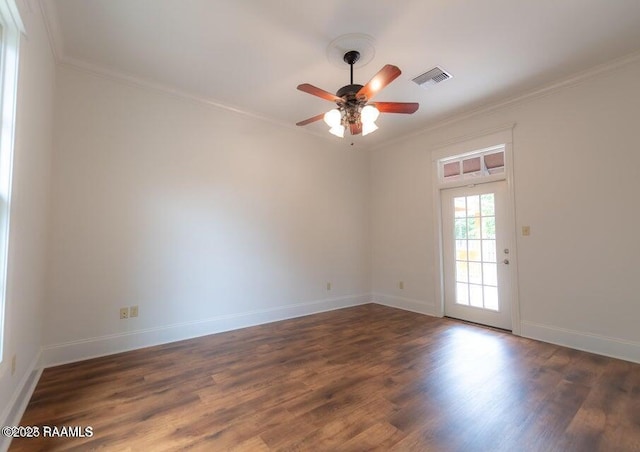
[435,75]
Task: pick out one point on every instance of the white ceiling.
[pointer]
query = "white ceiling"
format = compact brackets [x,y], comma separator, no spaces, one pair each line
[251,54]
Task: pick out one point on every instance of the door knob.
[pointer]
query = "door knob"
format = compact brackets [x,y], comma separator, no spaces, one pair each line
[506,261]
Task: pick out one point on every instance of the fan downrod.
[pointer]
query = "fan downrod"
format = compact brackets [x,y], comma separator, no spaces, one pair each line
[351,57]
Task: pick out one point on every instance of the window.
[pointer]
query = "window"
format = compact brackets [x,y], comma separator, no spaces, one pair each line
[10,29]
[480,163]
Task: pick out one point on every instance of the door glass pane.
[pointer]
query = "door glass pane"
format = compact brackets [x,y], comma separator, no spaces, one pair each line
[461,250]
[490,274]
[487,202]
[460,207]
[473,228]
[462,293]
[491,298]
[475,272]
[488,227]
[489,250]
[461,271]
[475,295]
[474,250]
[473,206]
[461,228]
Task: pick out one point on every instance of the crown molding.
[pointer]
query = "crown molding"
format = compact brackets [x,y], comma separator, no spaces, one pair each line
[147,84]
[542,91]
[52,25]
[51,21]
[54,33]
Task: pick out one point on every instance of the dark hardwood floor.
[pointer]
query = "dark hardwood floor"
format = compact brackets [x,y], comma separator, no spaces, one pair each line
[363,378]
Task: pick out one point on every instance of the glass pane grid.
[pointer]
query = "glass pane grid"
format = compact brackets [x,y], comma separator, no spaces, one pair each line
[476,263]
[478,165]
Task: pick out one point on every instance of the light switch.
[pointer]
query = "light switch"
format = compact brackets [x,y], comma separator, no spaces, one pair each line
[526,230]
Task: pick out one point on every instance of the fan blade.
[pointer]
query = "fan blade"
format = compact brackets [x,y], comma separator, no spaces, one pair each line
[319,92]
[397,107]
[310,120]
[385,76]
[355,128]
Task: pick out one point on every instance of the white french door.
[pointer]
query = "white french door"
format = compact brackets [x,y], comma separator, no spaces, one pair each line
[476,240]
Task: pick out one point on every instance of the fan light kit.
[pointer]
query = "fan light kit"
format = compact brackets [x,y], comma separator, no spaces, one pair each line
[353,110]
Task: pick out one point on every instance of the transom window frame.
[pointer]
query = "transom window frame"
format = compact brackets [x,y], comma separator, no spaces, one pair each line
[482,171]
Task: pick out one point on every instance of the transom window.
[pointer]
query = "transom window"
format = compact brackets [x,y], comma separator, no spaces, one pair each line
[479,164]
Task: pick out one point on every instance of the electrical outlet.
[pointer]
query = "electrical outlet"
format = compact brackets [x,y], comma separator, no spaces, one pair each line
[13,364]
[401,285]
[133,311]
[328,286]
[526,230]
[124,313]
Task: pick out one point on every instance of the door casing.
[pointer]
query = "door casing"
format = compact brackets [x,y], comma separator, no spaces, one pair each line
[501,135]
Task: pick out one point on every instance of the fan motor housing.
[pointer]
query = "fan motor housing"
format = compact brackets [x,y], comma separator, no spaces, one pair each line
[349,90]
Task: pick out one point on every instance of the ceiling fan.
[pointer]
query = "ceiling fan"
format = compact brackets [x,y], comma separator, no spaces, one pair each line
[354,109]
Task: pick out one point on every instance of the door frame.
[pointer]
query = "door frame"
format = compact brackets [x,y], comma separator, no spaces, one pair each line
[502,135]
[500,318]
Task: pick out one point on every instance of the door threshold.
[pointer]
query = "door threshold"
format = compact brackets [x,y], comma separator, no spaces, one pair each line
[502,330]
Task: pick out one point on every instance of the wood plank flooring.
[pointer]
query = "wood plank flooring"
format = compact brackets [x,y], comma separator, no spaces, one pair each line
[363,378]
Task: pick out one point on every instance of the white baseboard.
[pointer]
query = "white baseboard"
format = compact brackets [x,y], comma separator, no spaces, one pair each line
[67,352]
[593,343]
[13,412]
[408,304]
[56,354]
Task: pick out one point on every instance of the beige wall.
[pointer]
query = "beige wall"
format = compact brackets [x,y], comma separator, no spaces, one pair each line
[198,215]
[577,181]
